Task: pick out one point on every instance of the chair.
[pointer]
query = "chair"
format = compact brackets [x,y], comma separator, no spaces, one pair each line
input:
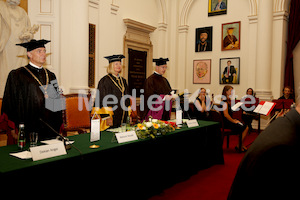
[217,117]
[73,118]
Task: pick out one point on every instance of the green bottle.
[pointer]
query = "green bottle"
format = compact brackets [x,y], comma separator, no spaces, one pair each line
[21,138]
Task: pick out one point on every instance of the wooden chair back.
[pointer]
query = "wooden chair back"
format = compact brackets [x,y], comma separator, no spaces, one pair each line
[76,117]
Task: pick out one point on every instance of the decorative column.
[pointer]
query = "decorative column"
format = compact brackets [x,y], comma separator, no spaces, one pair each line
[80,44]
[252,48]
[280,26]
[181,67]
[264,49]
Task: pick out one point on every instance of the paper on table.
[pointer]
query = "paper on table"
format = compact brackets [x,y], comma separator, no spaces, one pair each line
[236,106]
[54,141]
[22,155]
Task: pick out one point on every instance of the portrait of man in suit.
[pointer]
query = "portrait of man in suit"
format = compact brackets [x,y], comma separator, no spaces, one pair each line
[229,70]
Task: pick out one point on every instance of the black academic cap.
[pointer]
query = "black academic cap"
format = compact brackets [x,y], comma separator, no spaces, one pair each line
[34,44]
[161,61]
[114,58]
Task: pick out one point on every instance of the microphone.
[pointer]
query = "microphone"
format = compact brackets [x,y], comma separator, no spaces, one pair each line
[64,139]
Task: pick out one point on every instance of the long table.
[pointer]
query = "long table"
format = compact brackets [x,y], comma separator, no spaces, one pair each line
[137,169]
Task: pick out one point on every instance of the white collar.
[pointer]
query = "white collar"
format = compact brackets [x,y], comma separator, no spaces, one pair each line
[157,73]
[35,66]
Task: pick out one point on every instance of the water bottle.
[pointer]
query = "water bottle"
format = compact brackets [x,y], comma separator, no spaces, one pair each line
[21,137]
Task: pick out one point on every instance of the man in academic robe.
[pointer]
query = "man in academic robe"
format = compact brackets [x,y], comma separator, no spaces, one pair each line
[25,94]
[156,84]
[271,167]
[110,94]
[230,41]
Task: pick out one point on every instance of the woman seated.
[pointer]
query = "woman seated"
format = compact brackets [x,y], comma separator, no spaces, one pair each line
[248,116]
[230,123]
[200,103]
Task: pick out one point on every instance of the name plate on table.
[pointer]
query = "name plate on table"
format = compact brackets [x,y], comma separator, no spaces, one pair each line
[126,136]
[192,123]
[48,151]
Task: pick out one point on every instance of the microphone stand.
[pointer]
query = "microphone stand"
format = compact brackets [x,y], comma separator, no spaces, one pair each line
[59,136]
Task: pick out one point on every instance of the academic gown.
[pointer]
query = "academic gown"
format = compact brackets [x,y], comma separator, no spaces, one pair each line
[159,85]
[107,87]
[271,167]
[24,102]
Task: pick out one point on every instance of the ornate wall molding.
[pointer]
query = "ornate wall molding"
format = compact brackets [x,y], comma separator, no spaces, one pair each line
[281,5]
[114,9]
[94,3]
[163,8]
[253,7]
[162,27]
[137,37]
[184,14]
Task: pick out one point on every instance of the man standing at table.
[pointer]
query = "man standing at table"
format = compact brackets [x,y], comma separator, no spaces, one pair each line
[26,93]
[156,84]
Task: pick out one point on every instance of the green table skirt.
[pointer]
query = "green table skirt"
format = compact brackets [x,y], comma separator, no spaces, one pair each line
[147,165]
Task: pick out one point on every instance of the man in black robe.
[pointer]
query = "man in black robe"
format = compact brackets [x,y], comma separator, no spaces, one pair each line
[271,167]
[158,85]
[25,93]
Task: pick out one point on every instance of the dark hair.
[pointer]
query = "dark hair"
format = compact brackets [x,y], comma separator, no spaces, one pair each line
[225,89]
[288,87]
[250,89]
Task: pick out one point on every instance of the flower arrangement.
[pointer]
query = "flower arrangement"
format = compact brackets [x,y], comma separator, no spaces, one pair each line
[153,128]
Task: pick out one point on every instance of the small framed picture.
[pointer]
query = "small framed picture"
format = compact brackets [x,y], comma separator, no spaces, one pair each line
[202,71]
[231,36]
[230,70]
[217,7]
[203,41]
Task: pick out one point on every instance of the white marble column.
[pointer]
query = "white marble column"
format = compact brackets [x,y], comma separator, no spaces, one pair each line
[280,25]
[181,66]
[264,50]
[74,43]
[80,41]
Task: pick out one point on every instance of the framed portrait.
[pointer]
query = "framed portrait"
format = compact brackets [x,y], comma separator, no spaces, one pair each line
[230,70]
[203,40]
[231,36]
[202,71]
[217,7]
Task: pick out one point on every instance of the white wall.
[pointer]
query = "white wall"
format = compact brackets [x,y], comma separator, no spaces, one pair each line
[174,38]
[198,17]
[112,28]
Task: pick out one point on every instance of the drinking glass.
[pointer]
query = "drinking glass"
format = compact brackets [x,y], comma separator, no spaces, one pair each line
[33,139]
